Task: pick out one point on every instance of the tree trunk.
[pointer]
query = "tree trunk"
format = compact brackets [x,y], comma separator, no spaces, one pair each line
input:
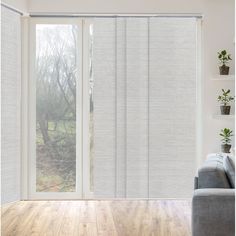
[44,130]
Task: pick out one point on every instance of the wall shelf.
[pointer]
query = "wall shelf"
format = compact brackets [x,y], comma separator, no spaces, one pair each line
[221,117]
[224,78]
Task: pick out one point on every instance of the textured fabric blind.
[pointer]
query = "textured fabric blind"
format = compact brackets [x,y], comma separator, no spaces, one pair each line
[10,86]
[172,106]
[144,72]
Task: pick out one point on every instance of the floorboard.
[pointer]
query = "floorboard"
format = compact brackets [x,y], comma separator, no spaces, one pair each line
[97,218]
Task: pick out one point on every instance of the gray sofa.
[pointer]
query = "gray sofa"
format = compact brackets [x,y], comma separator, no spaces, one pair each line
[213,203]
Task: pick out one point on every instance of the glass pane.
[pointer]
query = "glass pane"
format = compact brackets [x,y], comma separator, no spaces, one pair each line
[91,121]
[56,70]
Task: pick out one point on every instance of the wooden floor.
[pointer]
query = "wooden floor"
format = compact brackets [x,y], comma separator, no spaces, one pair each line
[103,218]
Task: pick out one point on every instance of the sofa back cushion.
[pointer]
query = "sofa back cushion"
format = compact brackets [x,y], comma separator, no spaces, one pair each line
[229,167]
[212,175]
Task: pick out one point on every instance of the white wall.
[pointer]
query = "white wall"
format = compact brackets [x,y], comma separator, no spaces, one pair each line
[218,29]
[131,6]
[21,5]
[218,33]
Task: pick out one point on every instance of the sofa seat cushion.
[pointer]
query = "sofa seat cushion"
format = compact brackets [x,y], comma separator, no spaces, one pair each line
[212,175]
[229,167]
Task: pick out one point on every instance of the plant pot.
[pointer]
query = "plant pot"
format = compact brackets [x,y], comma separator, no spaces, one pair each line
[224,70]
[225,110]
[225,148]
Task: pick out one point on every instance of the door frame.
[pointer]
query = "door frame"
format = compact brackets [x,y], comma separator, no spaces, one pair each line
[29,111]
[25,88]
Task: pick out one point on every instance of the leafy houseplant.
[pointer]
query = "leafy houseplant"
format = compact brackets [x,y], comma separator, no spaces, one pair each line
[225,100]
[224,58]
[226,135]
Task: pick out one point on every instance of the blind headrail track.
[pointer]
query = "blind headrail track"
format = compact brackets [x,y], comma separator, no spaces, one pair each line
[192,15]
[12,8]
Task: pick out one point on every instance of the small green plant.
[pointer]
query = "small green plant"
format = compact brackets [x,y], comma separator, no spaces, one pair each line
[225,98]
[226,134]
[224,57]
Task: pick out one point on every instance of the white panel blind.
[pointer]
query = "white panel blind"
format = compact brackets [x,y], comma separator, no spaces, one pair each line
[172,106]
[10,82]
[144,72]
[136,107]
[105,95]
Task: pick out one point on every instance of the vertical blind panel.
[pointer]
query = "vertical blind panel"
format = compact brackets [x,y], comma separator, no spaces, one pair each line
[120,107]
[144,106]
[136,107]
[172,106]
[104,108]
[10,83]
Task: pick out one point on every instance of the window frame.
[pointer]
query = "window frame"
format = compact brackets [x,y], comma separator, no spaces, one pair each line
[26,104]
[29,106]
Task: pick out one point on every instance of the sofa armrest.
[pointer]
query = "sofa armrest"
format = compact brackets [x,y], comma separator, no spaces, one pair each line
[212,175]
[213,212]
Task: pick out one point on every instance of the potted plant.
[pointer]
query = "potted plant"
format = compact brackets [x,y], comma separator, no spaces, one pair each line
[225,100]
[224,58]
[226,135]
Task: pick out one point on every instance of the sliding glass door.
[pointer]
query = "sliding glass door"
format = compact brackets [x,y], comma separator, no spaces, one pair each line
[114,107]
[56,108]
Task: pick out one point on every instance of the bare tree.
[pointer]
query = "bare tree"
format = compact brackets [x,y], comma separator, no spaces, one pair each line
[56,68]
